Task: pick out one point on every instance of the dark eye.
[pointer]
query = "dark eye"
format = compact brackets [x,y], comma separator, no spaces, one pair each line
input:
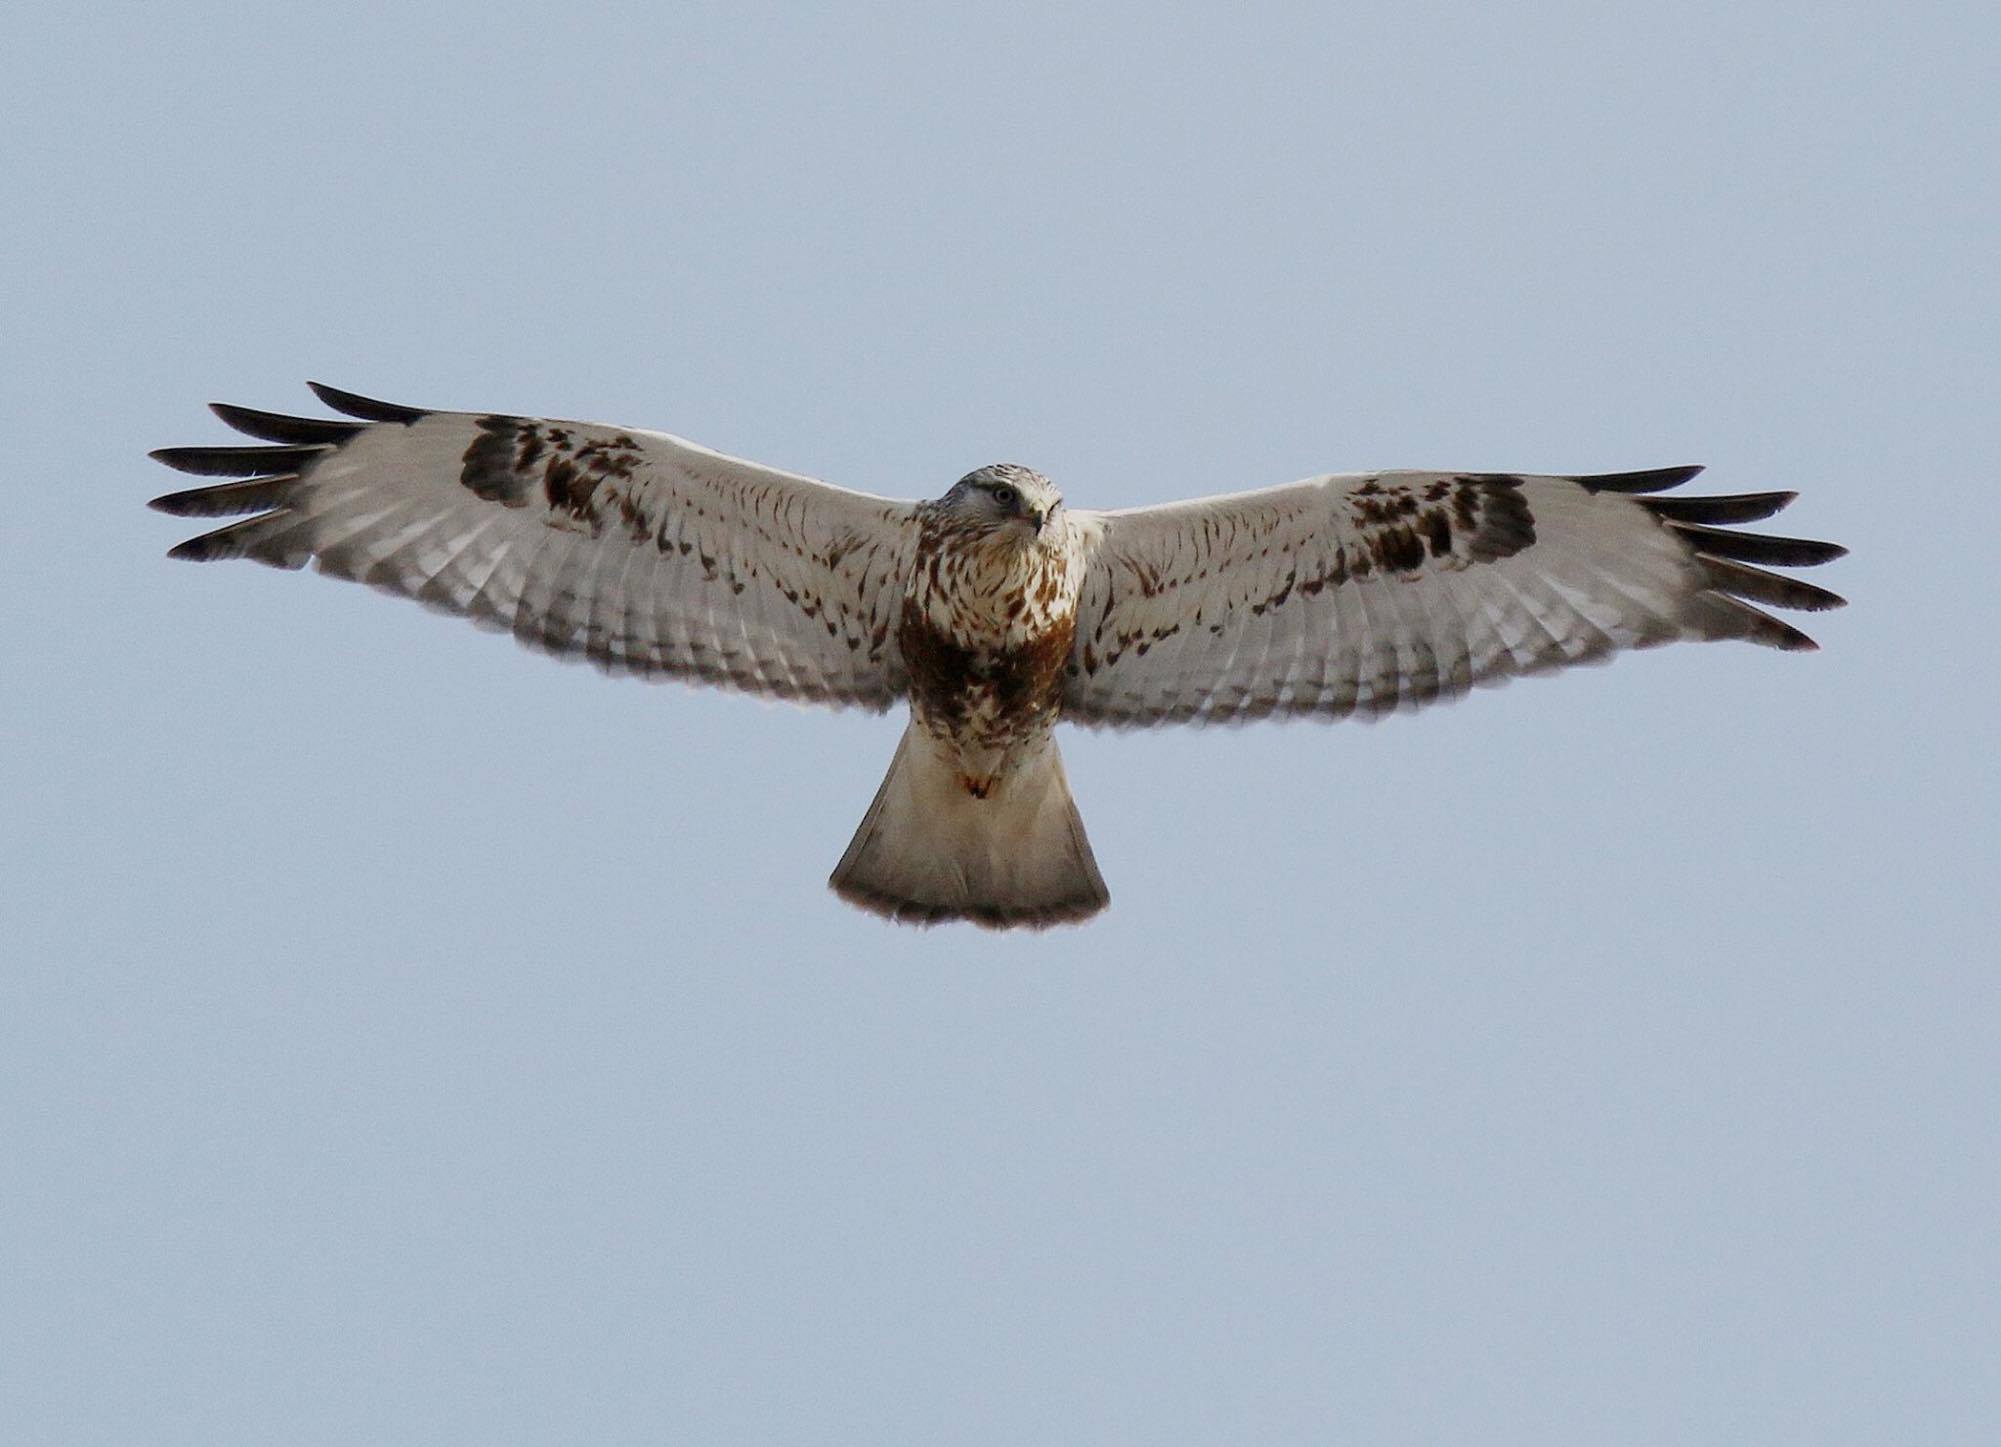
[1006,496]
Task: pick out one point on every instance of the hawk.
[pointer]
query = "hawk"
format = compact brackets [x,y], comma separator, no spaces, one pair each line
[994,611]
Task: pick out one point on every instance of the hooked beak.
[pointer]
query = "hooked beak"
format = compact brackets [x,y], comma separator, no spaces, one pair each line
[1040,519]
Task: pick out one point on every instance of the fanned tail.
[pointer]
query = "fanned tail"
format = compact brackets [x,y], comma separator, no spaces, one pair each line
[928,850]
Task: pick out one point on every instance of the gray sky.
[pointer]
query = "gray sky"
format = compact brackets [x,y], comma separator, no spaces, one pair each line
[408,1039]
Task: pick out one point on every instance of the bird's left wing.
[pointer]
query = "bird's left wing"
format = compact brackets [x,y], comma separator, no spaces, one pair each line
[1370,592]
[643,552]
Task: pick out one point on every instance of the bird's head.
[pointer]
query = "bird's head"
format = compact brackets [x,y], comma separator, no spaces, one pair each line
[1004,495]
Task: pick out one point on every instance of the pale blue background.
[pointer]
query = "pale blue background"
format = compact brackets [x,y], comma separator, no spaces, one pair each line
[404,1039]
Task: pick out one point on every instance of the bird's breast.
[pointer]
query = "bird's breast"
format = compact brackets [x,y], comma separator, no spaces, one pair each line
[986,637]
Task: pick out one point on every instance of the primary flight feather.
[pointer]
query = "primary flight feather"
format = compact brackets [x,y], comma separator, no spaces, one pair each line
[995,610]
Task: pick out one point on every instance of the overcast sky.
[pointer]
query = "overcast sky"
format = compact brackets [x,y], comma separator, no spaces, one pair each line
[405,1038]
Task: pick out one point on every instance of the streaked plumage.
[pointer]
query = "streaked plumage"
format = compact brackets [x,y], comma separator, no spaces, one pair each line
[995,611]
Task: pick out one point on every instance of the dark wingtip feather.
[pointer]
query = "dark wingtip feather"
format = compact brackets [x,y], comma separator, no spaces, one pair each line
[1772,633]
[254,495]
[248,538]
[1757,547]
[1742,507]
[1726,554]
[196,550]
[1658,479]
[1742,581]
[1762,628]
[279,427]
[236,461]
[208,547]
[366,408]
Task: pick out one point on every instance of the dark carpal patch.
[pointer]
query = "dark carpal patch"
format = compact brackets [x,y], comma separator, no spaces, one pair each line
[1482,516]
[1503,524]
[513,458]
[491,465]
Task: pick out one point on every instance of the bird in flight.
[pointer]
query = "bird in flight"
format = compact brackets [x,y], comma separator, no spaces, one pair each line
[994,611]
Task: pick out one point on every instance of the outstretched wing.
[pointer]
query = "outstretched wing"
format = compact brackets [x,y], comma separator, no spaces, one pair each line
[1361,594]
[643,552]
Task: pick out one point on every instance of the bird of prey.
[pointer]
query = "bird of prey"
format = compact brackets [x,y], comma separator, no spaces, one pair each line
[994,611]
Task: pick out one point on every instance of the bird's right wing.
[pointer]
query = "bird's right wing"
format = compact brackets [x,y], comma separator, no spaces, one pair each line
[640,551]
